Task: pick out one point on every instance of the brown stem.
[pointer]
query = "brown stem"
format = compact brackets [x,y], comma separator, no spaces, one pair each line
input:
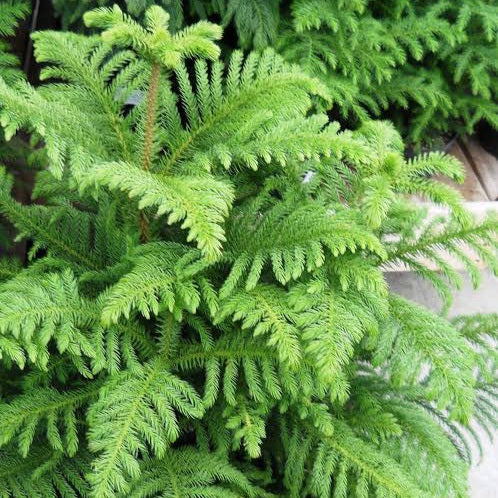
[144,228]
[151,116]
[149,138]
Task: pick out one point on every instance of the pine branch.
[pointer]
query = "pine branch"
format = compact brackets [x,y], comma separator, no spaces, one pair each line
[135,412]
[24,414]
[34,312]
[43,473]
[186,471]
[12,12]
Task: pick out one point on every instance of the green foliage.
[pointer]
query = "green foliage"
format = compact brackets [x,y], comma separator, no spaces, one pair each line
[193,473]
[51,310]
[204,311]
[426,243]
[11,13]
[23,415]
[431,61]
[428,65]
[71,11]
[135,413]
[43,473]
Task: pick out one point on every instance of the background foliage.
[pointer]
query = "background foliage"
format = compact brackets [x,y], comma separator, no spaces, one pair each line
[429,66]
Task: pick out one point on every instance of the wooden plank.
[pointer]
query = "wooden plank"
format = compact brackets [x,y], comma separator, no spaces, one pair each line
[484,164]
[471,189]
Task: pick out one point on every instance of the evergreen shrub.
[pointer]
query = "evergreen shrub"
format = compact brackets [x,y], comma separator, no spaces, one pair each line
[205,313]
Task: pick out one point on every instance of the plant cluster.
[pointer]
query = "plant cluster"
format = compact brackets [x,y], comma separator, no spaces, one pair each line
[11,13]
[205,313]
[429,66]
